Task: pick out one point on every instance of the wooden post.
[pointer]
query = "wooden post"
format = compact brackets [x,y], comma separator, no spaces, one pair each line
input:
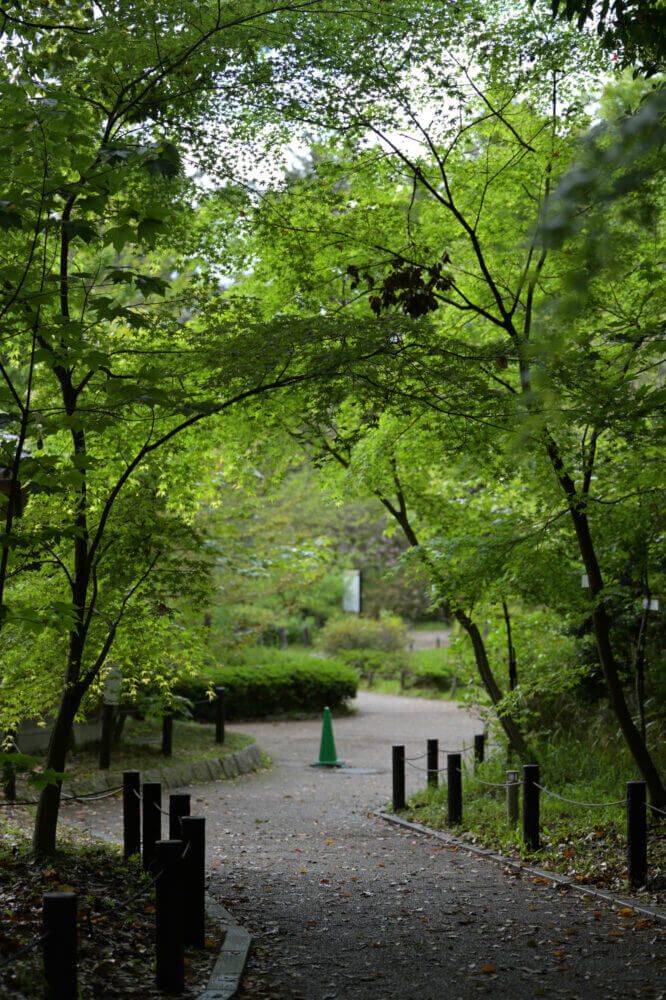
[131,813]
[398,778]
[433,762]
[194,838]
[59,916]
[107,736]
[179,805]
[479,748]
[636,834]
[512,797]
[220,713]
[531,806]
[454,789]
[152,821]
[169,916]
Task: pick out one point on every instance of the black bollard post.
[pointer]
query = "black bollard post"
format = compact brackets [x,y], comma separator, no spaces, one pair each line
[220,713]
[531,806]
[169,916]
[454,790]
[179,805]
[479,747]
[194,838]
[433,762]
[398,777]
[59,949]
[131,813]
[107,736]
[636,833]
[167,734]
[152,821]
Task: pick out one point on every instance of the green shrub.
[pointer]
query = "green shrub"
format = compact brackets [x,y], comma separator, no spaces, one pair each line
[278,682]
[373,661]
[387,634]
[432,668]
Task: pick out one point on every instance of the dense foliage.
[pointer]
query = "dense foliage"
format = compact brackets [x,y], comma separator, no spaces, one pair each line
[420,243]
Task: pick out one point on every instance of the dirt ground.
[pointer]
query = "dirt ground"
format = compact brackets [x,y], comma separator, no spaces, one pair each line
[343,905]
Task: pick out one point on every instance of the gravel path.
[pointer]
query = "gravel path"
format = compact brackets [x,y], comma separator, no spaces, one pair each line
[343,905]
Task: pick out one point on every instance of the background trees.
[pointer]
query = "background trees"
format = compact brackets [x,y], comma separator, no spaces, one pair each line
[548,352]
[426,301]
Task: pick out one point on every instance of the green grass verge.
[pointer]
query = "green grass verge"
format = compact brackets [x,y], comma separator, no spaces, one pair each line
[588,845]
[140,748]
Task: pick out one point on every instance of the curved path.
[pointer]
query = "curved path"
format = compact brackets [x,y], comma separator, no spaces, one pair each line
[343,905]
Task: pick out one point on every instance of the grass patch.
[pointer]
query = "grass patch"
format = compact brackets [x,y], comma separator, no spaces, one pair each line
[140,748]
[588,845]
[391,685]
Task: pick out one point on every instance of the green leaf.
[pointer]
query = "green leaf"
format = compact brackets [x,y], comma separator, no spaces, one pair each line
[119,236]
[73,228]
[148,228]
[148,285]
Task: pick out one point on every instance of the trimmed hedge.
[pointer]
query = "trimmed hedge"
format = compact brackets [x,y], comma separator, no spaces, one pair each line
[284,683]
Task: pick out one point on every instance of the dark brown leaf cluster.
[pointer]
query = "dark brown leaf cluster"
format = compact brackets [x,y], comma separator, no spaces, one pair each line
[410,288]
[116,925]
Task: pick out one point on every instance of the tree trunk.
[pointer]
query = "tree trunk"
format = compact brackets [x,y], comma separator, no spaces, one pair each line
[509,725]
[601,626]
[46,819]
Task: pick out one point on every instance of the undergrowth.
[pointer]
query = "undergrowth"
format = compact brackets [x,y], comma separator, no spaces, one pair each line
[586,844]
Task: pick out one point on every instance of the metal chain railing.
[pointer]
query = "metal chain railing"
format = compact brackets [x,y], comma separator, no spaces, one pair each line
[426,770]
[40,939]
[490,784]
[577,802]
[87,797]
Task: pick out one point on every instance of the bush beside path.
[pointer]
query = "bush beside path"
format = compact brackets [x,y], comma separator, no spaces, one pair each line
[342,905]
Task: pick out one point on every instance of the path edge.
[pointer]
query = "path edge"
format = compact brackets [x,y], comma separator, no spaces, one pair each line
[225,978]
[560,880]
[230,765]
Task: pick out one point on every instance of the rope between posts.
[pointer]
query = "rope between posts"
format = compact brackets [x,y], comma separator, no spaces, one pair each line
[577,802]
[165,812]
[24,950]
[88,797]
[459,750]
[94,796]
[491,784]
[662,812]
[426,770]
[420,757]
[187,850]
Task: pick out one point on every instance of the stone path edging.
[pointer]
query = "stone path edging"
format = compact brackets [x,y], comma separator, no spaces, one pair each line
[652,911]
[230,765]
[228,969]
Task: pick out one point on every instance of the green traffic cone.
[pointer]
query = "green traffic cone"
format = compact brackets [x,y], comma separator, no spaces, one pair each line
[327,754]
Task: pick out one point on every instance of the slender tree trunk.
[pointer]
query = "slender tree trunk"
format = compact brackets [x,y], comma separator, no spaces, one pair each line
[46,819]
[513,670]
[510,727]
[601,625]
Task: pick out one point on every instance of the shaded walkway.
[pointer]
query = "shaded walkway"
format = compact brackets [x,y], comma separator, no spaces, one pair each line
[342,905]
